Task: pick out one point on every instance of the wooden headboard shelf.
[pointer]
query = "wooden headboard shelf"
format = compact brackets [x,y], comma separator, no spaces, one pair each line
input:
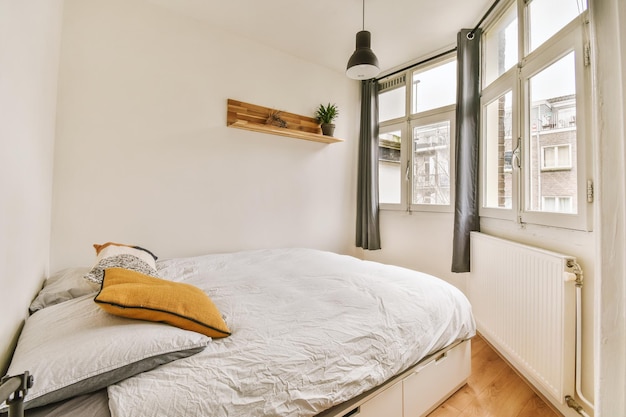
[252,117]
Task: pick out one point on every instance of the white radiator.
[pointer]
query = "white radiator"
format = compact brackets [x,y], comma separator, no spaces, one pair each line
[524,301]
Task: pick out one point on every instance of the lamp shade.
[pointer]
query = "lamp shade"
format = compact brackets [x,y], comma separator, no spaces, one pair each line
[363,64]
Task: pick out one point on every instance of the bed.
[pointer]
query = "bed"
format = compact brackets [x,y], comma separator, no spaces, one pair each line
[310,333]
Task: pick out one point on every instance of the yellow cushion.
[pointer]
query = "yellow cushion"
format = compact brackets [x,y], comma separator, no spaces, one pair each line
[135,295]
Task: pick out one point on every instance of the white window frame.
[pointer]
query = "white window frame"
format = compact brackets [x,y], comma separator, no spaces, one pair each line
[570,38]
[407,124]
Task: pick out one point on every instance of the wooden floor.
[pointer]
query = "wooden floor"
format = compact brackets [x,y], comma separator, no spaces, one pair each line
[493,390]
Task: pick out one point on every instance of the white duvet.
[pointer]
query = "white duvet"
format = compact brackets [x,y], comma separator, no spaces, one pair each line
[311,329]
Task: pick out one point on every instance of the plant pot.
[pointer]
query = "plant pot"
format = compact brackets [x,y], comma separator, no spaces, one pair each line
[328,129]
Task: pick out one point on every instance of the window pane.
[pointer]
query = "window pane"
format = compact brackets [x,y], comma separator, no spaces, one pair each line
[547,17]
[389,167]
[391,104]
[431,164]
[433,88]
[556,157]
[501,46]
[565,204]
[552,95]
[562,157]
[498,153]
[549,157]
[557,204]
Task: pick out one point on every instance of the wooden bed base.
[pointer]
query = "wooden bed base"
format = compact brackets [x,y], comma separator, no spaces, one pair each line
[415,392]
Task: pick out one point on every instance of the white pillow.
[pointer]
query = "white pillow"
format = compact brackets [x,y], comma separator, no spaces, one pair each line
[75,348]
[63,285]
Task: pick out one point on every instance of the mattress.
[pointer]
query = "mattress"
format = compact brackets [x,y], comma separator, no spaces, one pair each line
[310,330]
[89,405]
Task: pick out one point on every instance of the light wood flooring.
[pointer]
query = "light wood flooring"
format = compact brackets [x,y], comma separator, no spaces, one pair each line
[493,390]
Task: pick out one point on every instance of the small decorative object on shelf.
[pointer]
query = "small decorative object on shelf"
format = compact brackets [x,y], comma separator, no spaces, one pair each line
[274,119]
[326,115]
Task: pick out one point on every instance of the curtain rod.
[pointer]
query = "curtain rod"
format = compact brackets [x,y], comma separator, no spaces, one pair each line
[432,58]
[480,22]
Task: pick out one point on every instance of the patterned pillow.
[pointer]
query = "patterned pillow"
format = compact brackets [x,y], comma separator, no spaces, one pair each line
[117,255]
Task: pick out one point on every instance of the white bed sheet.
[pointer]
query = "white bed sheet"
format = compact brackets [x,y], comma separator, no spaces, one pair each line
[311,329]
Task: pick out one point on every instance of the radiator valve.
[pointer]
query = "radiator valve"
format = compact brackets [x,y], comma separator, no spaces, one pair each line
[571,403]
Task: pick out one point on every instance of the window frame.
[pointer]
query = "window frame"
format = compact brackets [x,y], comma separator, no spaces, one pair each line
[408,122]
[571,38]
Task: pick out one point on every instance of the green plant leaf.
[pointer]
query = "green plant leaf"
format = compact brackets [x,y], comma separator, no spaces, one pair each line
[326,114]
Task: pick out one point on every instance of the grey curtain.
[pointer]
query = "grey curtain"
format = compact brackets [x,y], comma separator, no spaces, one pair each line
[367,228]
[466,217]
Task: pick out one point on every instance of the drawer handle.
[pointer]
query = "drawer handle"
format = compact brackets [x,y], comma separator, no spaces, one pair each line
[353,412]
[438,359]
[443,356]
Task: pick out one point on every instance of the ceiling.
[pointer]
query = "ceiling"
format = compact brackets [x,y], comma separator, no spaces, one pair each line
[323,31]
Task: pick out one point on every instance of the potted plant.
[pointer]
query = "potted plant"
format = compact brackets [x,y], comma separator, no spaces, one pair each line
[325,115]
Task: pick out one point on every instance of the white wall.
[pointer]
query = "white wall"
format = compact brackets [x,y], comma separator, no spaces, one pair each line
[29,52]
[143,154]
[418,240]
[609,51]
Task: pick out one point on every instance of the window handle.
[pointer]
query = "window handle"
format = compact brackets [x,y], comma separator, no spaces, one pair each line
[516,159]
[407,177]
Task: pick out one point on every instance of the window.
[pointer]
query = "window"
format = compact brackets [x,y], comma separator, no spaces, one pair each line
[533,165]
[557,204]
[547,17]
[431,164]
[556,157]
[389,166]
[432,88]
[391,103]
[498,155]
[416,117]
[500,46]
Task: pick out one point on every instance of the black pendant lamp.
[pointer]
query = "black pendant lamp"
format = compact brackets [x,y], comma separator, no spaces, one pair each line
[363,64]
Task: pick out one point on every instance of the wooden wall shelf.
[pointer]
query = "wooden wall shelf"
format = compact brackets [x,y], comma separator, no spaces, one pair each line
[252,117]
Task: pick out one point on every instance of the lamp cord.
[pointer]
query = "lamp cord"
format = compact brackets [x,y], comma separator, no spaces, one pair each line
[363,15]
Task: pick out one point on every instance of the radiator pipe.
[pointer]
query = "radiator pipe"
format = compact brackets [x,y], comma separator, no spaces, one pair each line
[579,343]
[579,327]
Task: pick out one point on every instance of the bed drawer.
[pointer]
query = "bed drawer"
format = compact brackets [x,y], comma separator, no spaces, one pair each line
[388,404]
[434,381]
